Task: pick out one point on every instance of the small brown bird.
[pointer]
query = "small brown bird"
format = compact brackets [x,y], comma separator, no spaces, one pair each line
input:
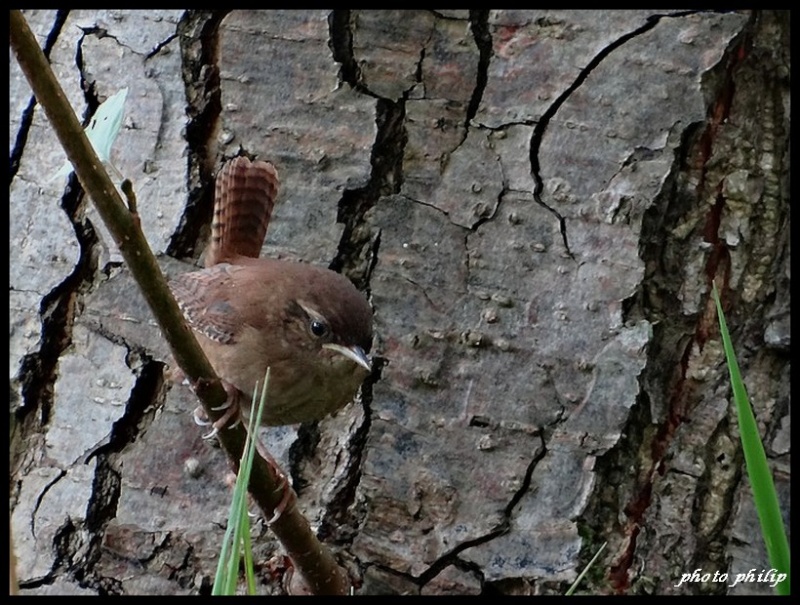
[310,325]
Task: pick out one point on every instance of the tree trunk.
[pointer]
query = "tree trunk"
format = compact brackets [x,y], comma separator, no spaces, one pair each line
[537,203]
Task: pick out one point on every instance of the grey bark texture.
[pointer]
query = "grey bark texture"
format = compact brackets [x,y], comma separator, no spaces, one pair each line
[536,202]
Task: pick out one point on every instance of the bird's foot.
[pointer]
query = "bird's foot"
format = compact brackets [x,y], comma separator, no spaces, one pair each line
[232,412]
[289,497]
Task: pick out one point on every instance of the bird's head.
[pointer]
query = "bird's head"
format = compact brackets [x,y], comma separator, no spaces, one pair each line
[339,330]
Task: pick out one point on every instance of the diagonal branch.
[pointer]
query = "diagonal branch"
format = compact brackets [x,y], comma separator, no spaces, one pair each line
[311,558]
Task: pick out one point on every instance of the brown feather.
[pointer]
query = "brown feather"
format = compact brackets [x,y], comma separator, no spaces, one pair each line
[244,198]
[252,313]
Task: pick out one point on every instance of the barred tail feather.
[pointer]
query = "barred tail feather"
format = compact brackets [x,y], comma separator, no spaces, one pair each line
[244,198]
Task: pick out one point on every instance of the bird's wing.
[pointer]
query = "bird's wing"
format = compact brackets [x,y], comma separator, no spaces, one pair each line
[205,297]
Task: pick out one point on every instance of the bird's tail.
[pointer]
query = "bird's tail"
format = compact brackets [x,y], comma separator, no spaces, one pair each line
[244,198]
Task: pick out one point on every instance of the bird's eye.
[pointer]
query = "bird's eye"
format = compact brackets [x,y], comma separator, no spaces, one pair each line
[318,328]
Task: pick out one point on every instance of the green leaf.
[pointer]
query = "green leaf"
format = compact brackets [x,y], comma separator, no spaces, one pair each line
[103,129]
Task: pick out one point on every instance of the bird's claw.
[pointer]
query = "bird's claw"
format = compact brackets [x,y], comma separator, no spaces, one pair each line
[289,496]
[231,407]
[200,417]
[286,500]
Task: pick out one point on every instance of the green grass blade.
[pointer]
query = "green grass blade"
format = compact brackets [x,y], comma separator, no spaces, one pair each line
[247,550]
[577,581]
[764,495]
[237,536]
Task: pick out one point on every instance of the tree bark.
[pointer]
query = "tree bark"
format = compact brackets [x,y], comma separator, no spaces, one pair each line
[537,203]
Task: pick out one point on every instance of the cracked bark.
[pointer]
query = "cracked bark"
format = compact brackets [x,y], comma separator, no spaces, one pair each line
[559,188]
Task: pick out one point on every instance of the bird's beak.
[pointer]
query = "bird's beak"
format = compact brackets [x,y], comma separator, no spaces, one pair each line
[355,353]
